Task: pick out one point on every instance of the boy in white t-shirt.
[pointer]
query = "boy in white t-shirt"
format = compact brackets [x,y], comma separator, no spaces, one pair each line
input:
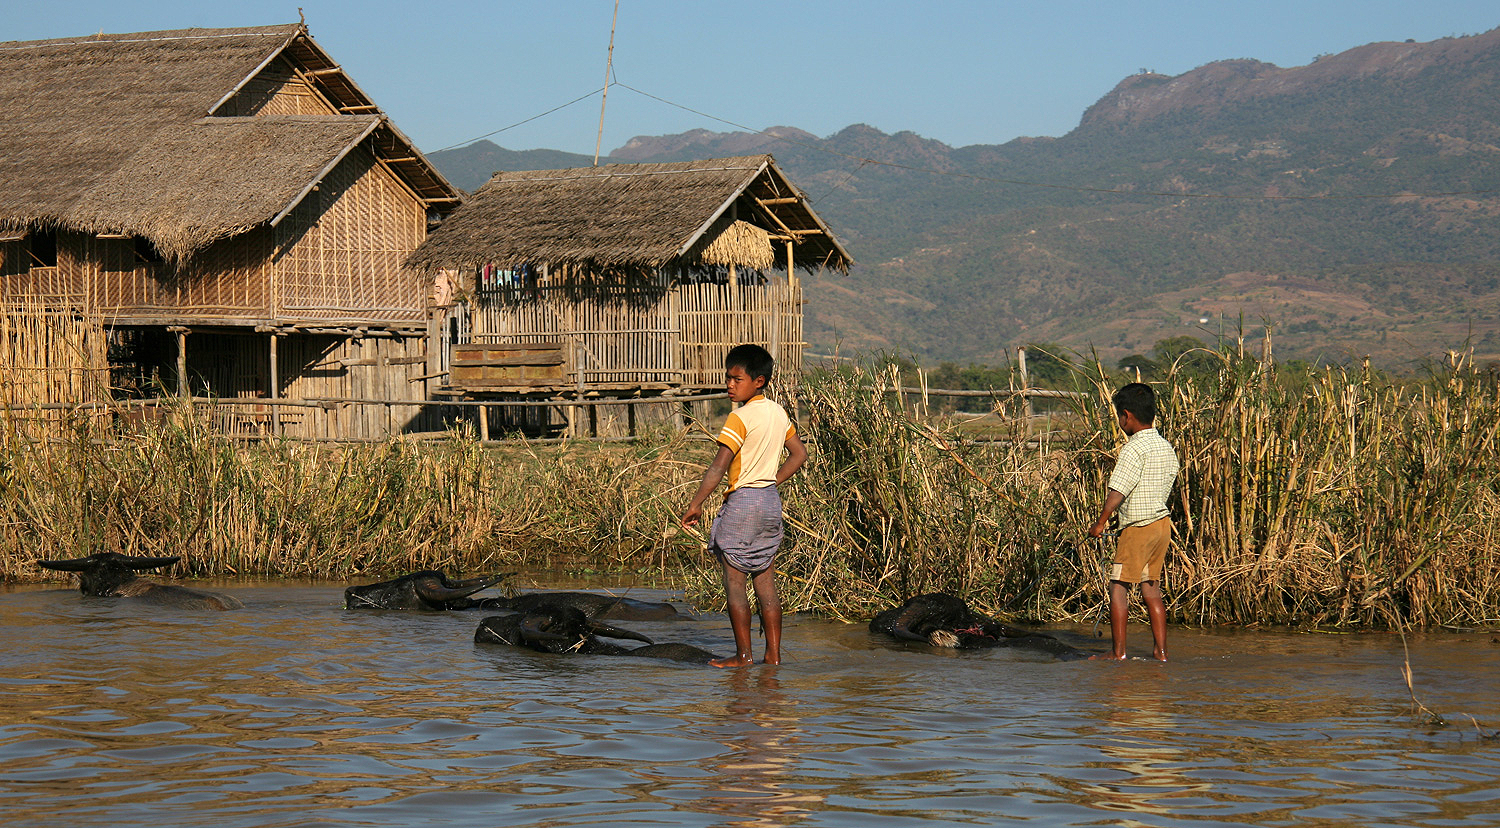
[747,531]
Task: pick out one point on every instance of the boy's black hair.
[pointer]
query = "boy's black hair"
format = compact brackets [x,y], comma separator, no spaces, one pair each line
[756,361]
[1138,399]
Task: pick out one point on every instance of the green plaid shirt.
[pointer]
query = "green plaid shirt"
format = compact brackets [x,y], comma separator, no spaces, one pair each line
[1144,475]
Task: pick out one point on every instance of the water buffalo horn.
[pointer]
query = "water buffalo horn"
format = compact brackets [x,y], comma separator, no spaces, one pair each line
[74,565]
[152,563]
[607,631]
[438,593]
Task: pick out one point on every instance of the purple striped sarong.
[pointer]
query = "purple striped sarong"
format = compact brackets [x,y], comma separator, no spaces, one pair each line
[747,531]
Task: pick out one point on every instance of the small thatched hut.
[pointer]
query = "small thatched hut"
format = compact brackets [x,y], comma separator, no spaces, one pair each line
[230,203]
[639,276]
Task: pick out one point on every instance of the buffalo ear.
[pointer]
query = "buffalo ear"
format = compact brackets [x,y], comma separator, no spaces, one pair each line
[152,563]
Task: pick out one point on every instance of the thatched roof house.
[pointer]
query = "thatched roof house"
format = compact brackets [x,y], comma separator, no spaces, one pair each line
[229,186]
[125,134]
[638,218]
[645,273]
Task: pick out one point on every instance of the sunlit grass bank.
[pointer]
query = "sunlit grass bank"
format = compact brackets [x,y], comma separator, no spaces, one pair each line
[1314,497]
[332,511]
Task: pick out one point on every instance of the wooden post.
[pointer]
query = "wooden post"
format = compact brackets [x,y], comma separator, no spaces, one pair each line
[774,301]
[1025,389]
[275,389]
[734,307]
[182,376]
[484,423]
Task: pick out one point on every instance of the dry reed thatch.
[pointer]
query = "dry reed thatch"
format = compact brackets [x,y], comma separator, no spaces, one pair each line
[106,134]
[56,148]
[620,218]
[742,244]
[216,177]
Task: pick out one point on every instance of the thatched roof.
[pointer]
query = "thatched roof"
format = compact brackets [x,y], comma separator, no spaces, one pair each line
[622,218]
[216,177]
[93,131]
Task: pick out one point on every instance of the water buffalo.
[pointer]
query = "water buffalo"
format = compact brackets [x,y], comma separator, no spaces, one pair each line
[426,590]
[110,574]
[555,628]
[590,604]
[945,621]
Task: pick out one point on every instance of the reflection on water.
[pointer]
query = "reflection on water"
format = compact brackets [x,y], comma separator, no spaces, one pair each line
[294,711]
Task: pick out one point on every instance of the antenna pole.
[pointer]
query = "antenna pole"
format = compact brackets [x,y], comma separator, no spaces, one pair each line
[609,61]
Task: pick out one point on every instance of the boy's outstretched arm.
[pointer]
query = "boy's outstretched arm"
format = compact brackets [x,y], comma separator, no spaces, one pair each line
[1112,503]
[711,479]
[796,455]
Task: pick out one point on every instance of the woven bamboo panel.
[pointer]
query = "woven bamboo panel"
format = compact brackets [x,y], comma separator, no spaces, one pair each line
[276,91]
[620,334]
[345,244]
[235,368]
[715,318]
[228,279]
[676,335]
[49,353]
[370,368]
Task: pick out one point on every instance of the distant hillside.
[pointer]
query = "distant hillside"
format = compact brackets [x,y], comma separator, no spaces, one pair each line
[1239,189]
[469,167]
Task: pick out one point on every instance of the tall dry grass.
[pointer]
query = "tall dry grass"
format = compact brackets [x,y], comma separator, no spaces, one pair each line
[1334,496]
[1329,496]
[1312,497]
[178,487]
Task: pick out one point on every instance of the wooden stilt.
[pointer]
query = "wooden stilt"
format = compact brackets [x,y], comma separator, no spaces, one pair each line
[275,388]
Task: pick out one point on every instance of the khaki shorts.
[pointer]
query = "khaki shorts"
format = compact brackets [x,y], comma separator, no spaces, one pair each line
[1140,552]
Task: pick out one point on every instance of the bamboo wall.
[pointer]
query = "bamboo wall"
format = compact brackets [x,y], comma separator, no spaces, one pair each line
[277,90]
[715,318]
[648,336]
[235,368]
[50,355]
[344,247]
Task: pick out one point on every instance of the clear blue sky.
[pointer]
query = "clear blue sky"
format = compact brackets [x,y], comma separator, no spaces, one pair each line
[963,73]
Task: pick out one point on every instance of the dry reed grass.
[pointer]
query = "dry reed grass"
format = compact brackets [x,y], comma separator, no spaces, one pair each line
[179,487]
[1324,497]
[1319,498]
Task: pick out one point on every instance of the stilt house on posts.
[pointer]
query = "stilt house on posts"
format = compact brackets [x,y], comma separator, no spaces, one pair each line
[627,280]
[232,208]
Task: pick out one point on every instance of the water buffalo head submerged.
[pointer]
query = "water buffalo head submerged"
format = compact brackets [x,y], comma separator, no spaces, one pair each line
[942,620]
[110,574]
[593,605]
[557,628]
[426,590]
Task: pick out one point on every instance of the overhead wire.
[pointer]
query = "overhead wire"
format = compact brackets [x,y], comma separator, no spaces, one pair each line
[519,123]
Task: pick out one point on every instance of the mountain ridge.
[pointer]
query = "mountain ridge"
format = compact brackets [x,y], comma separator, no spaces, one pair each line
[1236,188]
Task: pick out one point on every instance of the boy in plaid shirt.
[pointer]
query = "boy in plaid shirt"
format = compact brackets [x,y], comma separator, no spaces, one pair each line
[1138,490]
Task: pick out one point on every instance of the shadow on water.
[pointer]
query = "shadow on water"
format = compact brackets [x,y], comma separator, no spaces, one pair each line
[294,711]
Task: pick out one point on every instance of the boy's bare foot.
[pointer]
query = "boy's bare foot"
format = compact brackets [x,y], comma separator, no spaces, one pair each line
[772,659]
[1107,657]
[733,661]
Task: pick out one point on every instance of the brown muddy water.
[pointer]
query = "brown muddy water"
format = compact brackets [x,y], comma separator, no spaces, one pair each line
[296,712]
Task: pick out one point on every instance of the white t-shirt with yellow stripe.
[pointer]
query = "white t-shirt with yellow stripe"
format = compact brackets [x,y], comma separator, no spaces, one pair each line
[755,432]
